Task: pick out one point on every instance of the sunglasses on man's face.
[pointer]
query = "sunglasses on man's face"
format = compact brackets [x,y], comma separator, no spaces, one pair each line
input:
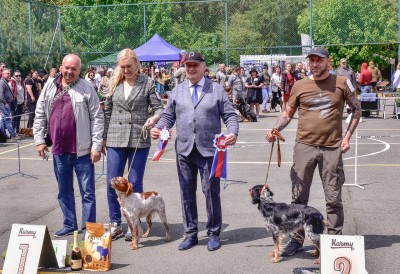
[17,75]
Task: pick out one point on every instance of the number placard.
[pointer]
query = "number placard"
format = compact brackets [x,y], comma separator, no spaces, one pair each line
[342,254]
[29,247]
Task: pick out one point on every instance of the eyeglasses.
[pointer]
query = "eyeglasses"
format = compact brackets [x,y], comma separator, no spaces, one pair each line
[17,75]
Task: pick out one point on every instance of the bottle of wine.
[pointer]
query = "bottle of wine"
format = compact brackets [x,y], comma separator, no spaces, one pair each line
[76,255]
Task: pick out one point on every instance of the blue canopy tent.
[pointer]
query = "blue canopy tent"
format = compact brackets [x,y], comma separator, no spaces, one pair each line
[154,50]
[157,50]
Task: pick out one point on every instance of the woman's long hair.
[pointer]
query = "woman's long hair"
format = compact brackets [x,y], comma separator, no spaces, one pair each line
[118,76]
[30,74]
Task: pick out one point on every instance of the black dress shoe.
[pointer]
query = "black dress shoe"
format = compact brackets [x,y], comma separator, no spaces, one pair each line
[188,242]
[214,243]
[64,232]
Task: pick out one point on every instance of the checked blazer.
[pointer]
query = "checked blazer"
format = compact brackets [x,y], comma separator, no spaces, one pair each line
[124,119]
[198,124]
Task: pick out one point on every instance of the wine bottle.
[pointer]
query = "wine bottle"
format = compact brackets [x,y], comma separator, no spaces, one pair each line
[76,255]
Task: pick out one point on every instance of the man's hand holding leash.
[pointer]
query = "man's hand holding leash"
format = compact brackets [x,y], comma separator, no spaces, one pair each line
[281,123]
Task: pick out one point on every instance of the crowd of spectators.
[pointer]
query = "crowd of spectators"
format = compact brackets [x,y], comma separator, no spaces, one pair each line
[258,86]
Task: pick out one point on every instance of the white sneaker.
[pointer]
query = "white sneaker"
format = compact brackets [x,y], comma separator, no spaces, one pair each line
[116,231]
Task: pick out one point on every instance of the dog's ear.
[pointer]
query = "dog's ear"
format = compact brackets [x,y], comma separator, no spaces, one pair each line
[255,194]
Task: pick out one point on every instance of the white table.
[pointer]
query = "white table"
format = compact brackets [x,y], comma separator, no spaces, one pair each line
[388,101]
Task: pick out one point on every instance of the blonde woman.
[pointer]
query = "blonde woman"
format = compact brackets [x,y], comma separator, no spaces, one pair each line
[126,111]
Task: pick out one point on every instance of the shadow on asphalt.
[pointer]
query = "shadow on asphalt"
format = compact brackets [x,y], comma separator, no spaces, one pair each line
[115,266]
[378,241]
[235,236]
[243,235]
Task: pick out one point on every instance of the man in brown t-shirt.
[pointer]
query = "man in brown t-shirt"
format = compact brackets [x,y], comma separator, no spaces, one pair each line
[320,99]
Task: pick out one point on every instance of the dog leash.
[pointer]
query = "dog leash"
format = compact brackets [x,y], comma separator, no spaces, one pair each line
[279,137]
[144,133]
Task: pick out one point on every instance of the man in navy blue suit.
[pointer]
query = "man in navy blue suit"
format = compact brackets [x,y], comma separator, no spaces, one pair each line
[197,106]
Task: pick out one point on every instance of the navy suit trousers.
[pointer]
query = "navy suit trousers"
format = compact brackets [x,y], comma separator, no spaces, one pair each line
[188,169]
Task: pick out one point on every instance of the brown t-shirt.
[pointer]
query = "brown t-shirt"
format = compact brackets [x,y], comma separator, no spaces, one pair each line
[320,105]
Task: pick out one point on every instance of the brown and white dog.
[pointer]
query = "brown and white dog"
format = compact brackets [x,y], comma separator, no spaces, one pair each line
[281,219]
[138,205]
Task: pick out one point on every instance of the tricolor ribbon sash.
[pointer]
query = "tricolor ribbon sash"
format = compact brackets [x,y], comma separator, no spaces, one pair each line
[162,143]
[218,169]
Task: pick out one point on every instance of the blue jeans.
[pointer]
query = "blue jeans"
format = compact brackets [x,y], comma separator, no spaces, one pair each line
[365,89]
[17,117]
[2,123]
[265,93]
[116,162]
[7,120]
[84,170]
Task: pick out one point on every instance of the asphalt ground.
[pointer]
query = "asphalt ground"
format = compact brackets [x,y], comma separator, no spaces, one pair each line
[372,212]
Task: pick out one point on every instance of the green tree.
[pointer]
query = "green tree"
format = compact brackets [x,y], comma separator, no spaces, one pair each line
[349,25]
[15,46]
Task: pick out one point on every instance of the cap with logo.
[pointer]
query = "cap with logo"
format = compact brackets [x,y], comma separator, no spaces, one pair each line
[321,52]
[343,60]
[194,57]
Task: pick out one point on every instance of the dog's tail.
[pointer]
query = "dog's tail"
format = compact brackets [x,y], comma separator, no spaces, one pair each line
[317,222]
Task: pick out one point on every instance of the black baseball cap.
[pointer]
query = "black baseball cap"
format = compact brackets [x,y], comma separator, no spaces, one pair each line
[42,72]
[321,52]
[195,57]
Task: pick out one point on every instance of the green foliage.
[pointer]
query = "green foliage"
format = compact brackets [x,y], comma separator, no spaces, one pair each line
[357,22]
[356,29]
[15,49]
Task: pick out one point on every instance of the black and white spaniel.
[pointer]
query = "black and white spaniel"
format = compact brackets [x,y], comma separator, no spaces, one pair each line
[282,219]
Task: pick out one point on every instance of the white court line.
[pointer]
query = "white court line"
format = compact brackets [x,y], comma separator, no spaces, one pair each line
[33,159]
[14,149]
[387,146]
[166,160]
[284,163]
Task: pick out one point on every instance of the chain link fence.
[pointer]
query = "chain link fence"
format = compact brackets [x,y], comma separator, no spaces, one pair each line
[36,35]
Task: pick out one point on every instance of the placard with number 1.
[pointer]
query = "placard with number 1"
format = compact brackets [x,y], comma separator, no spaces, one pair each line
[29,247]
